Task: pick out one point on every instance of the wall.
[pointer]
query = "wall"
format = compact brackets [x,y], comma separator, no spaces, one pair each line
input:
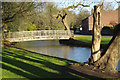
[85,25]
[108,18]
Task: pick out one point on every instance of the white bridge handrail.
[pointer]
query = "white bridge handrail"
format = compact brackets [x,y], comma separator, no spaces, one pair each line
[46,34]
[38,33]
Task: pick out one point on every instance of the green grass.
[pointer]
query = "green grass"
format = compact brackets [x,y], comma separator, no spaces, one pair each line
[88,39]
[17,63]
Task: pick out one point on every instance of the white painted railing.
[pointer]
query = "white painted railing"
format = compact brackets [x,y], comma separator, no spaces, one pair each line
[38,35]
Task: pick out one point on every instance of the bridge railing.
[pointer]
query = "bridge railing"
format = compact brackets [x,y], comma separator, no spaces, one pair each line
[47,33]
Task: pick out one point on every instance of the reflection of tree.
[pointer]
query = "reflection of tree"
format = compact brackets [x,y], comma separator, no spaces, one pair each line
[66,52]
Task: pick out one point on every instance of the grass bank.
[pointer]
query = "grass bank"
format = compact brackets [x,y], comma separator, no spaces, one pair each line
[88,39]
[19,63]
[22,64]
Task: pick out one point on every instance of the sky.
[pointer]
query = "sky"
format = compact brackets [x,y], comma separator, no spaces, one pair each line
[57,0]
[77,0]
[65,3]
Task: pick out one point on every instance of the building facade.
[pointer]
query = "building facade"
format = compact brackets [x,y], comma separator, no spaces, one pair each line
[108,18]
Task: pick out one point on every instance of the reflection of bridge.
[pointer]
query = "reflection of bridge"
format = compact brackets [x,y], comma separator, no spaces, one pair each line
[38,35]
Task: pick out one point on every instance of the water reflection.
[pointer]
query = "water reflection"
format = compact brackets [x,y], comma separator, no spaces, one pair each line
[54,48]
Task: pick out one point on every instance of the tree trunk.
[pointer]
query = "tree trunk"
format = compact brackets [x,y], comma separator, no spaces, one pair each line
[111,57]
[96,38]
[64,16]
[64,19]
[66,23]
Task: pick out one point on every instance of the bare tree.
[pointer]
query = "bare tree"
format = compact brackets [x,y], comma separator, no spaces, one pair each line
[64,14]
[111,55]
[96,39]
[108,6]
[81,16]
[109,58]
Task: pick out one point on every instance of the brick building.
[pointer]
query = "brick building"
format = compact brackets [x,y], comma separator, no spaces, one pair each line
[108,18]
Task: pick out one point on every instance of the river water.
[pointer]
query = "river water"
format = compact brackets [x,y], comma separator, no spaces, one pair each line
[54,48]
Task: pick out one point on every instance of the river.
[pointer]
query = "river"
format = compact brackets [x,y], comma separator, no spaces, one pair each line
[54,48]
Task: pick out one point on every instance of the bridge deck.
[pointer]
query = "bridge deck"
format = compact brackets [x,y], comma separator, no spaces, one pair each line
[38,35]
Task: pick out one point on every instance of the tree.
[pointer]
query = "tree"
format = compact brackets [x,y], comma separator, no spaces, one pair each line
[109,58]
[50,20]
[47,18]
[63,14]
[12,11]
[71,19]
[96,38]
[111,55]
[81,16]
[30,16]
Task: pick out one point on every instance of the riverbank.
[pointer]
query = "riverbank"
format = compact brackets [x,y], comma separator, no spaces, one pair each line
[88,39]
[20,63]
[79,43]
[85,41]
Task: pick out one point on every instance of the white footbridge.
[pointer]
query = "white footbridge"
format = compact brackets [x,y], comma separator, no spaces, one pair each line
[38,35]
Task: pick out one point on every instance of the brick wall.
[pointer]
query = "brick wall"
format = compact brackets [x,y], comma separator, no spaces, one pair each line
[108,18]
